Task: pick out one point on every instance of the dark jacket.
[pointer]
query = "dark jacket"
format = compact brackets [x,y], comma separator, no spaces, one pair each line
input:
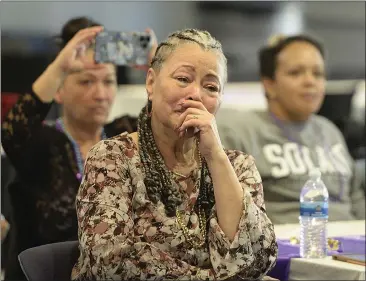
[43,195]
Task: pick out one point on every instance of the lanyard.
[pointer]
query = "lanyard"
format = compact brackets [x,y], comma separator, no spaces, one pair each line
[77,152]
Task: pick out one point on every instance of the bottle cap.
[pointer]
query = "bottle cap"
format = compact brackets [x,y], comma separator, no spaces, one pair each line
[315,174]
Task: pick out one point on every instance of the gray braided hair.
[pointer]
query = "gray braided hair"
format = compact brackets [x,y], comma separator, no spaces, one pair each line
[158,180]
[201,37]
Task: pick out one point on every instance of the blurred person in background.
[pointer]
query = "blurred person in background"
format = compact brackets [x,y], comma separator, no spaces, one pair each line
[4,227]
[355,132]
[289,139]
[358,104]
[358,118]
[167,201]
[49,159]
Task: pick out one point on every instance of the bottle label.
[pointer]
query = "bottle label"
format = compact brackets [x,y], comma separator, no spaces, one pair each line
[314,209]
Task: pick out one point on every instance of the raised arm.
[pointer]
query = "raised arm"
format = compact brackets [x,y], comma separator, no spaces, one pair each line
[20,134]
[20,130]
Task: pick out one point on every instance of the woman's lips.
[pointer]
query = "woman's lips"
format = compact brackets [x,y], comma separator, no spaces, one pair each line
[309,96]
[99,109]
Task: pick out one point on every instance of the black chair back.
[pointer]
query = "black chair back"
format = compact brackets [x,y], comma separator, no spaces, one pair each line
[52,262]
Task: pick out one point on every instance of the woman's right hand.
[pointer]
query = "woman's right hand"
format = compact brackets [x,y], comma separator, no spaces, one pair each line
[73,56]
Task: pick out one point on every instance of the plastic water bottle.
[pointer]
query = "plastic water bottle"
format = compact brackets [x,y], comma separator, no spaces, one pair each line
[313,217]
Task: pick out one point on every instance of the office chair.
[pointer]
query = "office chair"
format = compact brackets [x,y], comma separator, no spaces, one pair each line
[49,262]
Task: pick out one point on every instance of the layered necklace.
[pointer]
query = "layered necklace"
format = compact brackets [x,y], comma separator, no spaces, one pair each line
[159,183]
[60,126]
[195,241]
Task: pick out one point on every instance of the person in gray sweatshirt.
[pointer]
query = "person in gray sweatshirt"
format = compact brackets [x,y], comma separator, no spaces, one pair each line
[289,139]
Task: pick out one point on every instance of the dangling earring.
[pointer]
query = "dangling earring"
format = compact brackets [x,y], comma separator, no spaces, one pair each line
[148,108]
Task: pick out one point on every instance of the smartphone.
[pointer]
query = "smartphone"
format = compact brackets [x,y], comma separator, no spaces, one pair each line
[350,258]
[122,48]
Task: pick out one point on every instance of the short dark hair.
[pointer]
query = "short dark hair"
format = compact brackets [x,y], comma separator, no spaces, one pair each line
[268,54]
[72,27]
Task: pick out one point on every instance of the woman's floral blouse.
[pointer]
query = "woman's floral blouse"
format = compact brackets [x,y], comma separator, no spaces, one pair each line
[123,235]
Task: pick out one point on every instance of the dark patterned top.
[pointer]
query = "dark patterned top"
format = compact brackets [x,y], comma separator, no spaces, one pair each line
[46,165]
[124,236]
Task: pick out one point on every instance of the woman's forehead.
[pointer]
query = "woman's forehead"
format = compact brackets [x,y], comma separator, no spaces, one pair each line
[300,52]
[102,70]
[193,56]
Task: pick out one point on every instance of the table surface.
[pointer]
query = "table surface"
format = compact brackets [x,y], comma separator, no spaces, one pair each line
[325,269]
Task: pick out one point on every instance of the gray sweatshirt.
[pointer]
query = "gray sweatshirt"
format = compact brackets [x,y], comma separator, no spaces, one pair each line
[285,153]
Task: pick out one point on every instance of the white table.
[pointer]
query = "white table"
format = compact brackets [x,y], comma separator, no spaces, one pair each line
[325,269]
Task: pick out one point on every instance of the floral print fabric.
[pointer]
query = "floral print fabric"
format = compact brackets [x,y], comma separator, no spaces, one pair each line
[123,235]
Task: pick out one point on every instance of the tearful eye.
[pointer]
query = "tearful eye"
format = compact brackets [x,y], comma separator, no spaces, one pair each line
[183,79]
[212,88]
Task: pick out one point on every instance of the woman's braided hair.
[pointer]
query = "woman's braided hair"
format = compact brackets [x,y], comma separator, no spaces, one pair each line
[158,180]
[201,37]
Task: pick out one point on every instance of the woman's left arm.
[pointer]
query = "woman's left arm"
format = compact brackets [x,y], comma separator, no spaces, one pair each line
[241,238]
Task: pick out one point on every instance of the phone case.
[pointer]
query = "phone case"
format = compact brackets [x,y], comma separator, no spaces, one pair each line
[122,48]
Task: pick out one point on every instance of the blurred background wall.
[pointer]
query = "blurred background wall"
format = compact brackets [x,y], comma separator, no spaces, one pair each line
[27,28]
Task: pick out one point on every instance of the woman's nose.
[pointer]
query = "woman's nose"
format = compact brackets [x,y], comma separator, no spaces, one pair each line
[195,94]
[100,92]
[309,79]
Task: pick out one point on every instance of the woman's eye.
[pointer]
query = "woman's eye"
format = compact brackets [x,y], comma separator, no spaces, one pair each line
[183,79]
[85,82]
[319,74]
[109,82]
[212,88]
[294,72]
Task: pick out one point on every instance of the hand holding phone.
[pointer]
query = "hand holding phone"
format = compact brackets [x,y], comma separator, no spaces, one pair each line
[73,57]
[123,48]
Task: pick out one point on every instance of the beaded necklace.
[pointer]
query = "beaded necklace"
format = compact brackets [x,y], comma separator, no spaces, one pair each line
[159,182]
[60,126]
[326,148]
[194,241]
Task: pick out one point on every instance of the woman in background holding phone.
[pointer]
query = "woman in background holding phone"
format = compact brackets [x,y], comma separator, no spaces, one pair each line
[48,159]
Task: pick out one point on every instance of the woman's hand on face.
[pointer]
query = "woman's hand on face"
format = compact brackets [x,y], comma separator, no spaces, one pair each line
[196,117]
[73,56]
